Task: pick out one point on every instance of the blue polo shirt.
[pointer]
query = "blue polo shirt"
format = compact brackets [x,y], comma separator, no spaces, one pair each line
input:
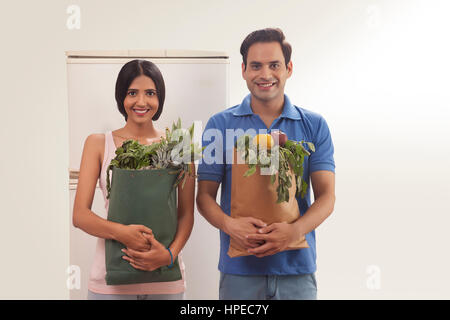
[298,124]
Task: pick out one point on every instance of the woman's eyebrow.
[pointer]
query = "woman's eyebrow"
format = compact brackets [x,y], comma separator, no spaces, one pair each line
[131,89]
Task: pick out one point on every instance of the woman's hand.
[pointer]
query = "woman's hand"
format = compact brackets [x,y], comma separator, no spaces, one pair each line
[151,260]
[133,236]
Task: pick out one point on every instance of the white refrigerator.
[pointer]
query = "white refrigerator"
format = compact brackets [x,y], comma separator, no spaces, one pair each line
[197,87]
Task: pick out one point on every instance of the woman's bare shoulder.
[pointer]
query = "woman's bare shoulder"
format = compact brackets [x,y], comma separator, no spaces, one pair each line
[95,144]
[95,139]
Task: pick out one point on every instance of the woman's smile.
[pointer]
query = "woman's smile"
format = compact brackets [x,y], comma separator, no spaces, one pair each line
[140,111]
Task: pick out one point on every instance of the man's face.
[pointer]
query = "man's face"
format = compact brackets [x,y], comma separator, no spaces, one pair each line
[266,71]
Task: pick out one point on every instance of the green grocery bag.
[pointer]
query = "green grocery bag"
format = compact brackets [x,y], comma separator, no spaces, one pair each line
[146,197]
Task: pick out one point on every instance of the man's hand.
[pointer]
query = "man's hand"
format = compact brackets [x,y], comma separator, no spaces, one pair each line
[240,228]
[236,228]
[277,238]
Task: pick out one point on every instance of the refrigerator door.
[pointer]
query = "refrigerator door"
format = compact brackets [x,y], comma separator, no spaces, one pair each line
[196,88]
[82,246]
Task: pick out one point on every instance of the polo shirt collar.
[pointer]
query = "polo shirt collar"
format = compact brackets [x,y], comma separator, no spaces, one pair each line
[289,111]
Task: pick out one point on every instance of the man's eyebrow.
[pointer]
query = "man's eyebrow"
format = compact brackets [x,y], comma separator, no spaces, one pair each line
[259,63]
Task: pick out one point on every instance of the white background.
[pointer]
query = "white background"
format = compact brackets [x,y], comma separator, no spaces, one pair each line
[376,70]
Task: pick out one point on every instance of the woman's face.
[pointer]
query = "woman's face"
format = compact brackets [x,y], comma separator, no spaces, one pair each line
[141,101]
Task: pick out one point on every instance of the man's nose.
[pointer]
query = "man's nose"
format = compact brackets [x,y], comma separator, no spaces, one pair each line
[266,73]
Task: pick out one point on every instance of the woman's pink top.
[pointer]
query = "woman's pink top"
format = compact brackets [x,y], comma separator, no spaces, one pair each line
[97,281]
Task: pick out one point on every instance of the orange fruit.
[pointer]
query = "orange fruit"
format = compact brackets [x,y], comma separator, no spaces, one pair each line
[263,140]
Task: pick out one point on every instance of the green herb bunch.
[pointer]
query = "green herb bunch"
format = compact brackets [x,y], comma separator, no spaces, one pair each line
[277,159]
[175,151]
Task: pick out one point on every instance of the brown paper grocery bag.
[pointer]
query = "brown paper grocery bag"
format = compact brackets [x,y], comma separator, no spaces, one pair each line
[255,196]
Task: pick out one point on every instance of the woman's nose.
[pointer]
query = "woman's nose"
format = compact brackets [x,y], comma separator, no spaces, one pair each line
[141,100]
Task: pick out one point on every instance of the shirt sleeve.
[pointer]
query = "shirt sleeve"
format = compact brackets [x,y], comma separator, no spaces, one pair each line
[323,157]
[211,166]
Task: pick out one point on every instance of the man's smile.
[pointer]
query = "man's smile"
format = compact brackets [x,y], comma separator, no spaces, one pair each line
[266,85]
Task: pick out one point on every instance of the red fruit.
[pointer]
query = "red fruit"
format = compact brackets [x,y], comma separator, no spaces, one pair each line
[279,136]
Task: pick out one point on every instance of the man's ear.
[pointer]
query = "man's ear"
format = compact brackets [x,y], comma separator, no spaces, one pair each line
[243,70]
[289,68]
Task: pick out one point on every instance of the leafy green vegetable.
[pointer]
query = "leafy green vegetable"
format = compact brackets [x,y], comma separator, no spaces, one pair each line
[278,159]
[175,151]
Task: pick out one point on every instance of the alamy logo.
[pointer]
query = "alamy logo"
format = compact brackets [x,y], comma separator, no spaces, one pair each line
[74,279]
[74,20]
[220,146]
[373,17]
[373,281]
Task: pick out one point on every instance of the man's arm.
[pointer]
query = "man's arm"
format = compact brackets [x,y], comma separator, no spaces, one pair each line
[237,228]
[278,236]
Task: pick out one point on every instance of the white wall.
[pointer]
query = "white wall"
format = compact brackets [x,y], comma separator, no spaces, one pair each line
[376,70]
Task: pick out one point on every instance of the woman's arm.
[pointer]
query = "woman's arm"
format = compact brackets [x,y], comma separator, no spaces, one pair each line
[186,198]
[87,220]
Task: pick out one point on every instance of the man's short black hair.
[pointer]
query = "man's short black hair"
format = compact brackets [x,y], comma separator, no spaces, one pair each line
[130,71]
[266,35]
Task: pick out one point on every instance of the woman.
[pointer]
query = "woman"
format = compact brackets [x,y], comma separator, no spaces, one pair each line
[140,94]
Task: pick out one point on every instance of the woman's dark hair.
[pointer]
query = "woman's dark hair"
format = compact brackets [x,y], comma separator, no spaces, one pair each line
[266,35]
[132,70]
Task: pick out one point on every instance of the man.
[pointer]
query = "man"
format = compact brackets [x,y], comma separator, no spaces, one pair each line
[271,271]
